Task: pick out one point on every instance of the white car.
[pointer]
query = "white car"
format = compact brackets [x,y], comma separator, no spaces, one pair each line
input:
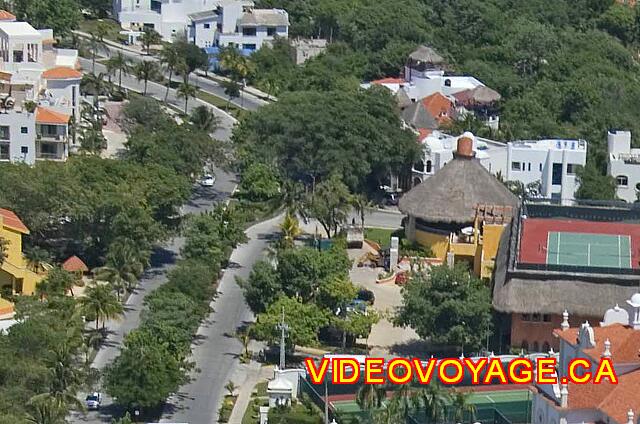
[93,400]
[208,181]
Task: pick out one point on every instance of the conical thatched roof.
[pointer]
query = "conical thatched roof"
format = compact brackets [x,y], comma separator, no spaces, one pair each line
[452,194]
[479,95]
[426,54]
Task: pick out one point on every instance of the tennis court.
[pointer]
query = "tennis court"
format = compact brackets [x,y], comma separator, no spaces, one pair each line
[583,249]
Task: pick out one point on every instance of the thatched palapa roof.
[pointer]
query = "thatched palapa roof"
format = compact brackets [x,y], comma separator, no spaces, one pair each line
[426,54]
[454,192]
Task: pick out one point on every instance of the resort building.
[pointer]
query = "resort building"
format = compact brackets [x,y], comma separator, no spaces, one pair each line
[581,259]
[207,23]
[617,337]
[16,275]
[624,165]
[550,163]
[39,94]
[460,212]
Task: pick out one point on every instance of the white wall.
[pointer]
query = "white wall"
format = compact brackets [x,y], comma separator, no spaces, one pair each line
[15,121]
[63,98]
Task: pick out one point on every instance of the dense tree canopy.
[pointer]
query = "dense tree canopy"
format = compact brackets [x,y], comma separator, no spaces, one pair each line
[447,306]
[310,135]
[60,15]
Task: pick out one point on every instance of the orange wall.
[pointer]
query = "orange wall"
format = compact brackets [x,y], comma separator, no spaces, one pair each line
[542,332]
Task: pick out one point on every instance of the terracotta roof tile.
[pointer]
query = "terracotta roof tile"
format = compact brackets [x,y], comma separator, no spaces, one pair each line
[61,72]
[423,133]
[389,81]
[625,342]
[75,264]
[7,16]
[48,116]
[440,107]
[11,220]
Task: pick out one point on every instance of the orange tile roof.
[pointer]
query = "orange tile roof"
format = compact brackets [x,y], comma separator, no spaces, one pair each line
[11,220]
[423,133]
[625,342]
[612,399]
[6,16]
[438,106]
[61,72]
[48,116]
[389,81]
[74,264]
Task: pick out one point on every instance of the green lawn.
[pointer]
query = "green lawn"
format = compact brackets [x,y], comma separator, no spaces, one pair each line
[221,103]
[382,236]
[112,27]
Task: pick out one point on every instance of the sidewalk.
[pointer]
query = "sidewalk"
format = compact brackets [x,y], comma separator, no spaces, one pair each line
[254,373]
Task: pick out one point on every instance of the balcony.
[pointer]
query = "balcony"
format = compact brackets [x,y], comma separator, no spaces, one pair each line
[52,137]
[50,151]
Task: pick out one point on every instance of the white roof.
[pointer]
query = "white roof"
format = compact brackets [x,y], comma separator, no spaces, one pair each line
[549,144]
[17,29]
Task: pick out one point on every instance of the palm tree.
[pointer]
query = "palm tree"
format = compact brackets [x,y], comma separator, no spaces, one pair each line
[434,399]
[360,204]
[46,411]
[461,406]
[204,119]
[150,37]
[36,257]
[371,396]
[145,71]
[95,43]
[170,57]
[100,301]
[290,228]
[96,85]
[119,63]
[186,91]
[122,267]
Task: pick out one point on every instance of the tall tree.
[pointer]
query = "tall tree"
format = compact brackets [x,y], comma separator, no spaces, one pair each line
[434,399]
[149,38]
[232,90]
[119,63]
[60,15]
[447,306]
[145,71]
[186,91]
[330,203]
[122,267]
[171,58]
[594,185]
[100,302]
[204,119]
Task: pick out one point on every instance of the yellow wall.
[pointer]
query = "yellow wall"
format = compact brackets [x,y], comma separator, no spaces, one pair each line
[438,243]
[491,240]
[15,266]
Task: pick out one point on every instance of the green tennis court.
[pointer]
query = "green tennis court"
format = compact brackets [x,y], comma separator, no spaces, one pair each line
[581,249]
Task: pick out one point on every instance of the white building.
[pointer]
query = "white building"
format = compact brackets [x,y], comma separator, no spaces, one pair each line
[624,164]
[553,163]
[618,339]
[39,94]
[207,23]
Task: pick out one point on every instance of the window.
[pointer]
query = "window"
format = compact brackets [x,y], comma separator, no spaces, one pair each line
[248,32]
[622,180]
[428,166]
[447,83]
[638,186]
[526,317]
[271,31]
[4,133]
[4,151]
[249,47]
[556,174]
[572,168]
[206,26]
[515,166]
[24,130]
[546,318]
[18,56]
[540,167]
[24,150]
[529,166]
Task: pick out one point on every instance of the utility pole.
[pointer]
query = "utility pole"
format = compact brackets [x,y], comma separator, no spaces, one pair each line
[283,330]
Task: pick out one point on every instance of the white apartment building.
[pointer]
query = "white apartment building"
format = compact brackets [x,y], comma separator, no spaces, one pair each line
[551,162]
[624,165]
[207,23]
[39,94]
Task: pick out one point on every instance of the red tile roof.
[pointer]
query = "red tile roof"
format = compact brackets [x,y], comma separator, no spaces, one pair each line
[48,116]
[423,133]
[11,220]
[389,81]
[625,342]
[74,264]
[438,106]
[61,72]
[612,399]
[6,16]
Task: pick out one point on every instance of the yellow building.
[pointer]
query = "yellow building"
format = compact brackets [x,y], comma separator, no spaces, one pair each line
[15,274]
[460,212]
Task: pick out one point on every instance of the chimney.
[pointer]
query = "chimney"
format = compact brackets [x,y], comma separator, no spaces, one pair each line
[564,395]
[565,321]
[465,148]
[607,349]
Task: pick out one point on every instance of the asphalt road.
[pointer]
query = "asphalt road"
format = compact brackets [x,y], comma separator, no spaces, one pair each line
[247,101]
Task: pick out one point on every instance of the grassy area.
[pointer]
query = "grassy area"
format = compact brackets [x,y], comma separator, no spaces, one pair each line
[233,110]
[112,28]
[227,407]
[297,414]
[382,236]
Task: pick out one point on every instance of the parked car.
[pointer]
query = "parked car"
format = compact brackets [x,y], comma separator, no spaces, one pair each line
[208,181]
[93,400]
